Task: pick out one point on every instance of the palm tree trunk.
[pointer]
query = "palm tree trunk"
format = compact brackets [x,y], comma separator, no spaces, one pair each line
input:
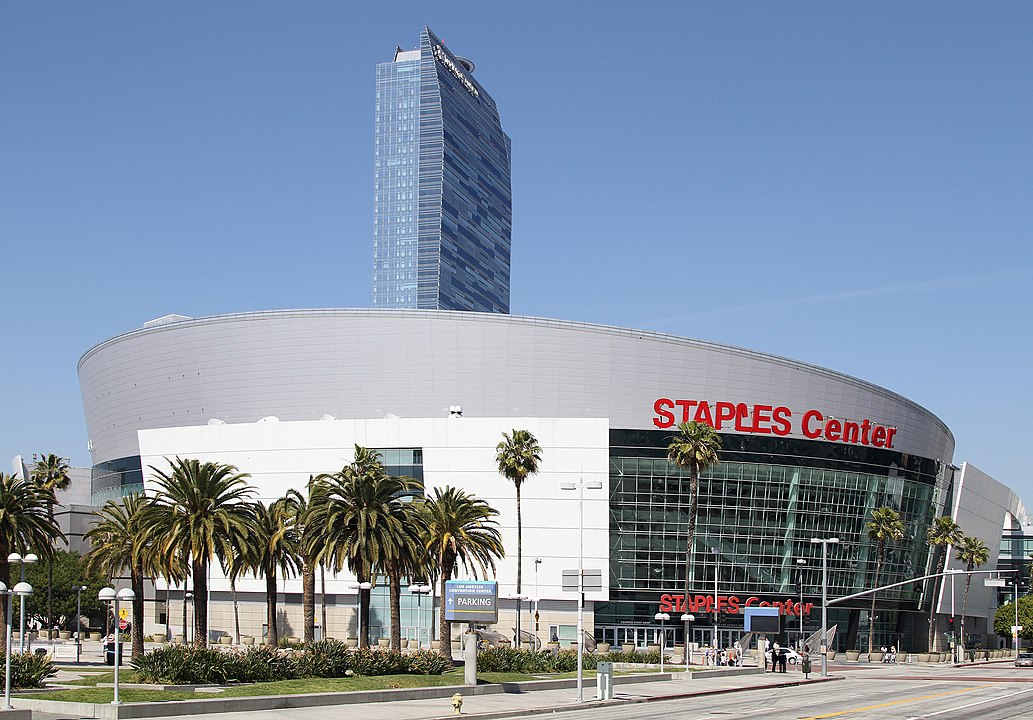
[136,580]
[871,614]
[964,606]
[520,561]
[322,596]
[50,578]
[308,600]
[272,637]
[933,637]
[200,572]
[5,577]
[689,543]
[364,596]
[395,591]
[236,610]
[444,626]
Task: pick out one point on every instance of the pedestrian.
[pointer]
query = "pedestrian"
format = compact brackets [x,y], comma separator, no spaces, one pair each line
[783,659]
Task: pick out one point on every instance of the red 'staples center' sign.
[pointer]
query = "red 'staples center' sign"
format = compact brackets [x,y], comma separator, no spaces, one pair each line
[731,604]
[771,420]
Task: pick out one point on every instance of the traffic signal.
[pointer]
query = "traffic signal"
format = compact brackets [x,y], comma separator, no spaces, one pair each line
[950,623]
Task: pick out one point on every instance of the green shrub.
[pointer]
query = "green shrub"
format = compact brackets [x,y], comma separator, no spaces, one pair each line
[262,663]
[427,662]
[184,665]
[29,670]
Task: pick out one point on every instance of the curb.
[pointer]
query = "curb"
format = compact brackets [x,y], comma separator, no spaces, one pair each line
[595,704]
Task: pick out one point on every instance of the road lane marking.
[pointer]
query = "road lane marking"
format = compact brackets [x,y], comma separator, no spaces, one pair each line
[892,703]
[972,704]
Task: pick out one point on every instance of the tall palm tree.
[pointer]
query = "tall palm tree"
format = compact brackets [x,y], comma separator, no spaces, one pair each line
[884,527]
[51,473]
[974,553]
[196,511]
[943,533]
[116,546]
[312,542]
[460,531]
[24,523]
[518,458]
[360,508]
[276,546]
[695,448]
[403,559]
[246,547]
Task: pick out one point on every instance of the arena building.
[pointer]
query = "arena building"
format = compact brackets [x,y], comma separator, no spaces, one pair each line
[807,453]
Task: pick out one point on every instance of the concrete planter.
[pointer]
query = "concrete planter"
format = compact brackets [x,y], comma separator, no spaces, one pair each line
[177,638]
[602,648]
[64,634]
[351,642]
[414,644]
[653,648]
[831,655]
[294,640]
[226,640]
[247,640]
[923,657]
[95,636]
[384,642]
[435,644]
[875,657]
[627,648]
[853,654]
[932,657]
[159,637]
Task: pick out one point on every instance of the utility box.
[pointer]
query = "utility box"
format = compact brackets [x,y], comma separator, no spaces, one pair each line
[604,681]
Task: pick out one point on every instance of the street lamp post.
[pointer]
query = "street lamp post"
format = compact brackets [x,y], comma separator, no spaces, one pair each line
[800,562]
[824,542]
[78,621]
[27,559]
[717,570]
[108,594]
[663,618]
[187,596]
[537,599]
[419,590]
[687,619]
[580,487]
[359,587]
[21,589]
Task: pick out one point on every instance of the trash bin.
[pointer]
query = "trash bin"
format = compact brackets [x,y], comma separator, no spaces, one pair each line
[109,653]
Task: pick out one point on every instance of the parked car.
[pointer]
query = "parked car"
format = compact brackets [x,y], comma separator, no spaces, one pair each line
[1025,659]
[792,657]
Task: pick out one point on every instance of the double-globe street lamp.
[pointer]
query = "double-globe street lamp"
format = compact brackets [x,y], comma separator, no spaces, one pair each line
[662,618]
[580,487]
[23,560]
[799,578]
[22,590]
[824,542]
[78,621]
[109,594]
[686,620]
[419,590]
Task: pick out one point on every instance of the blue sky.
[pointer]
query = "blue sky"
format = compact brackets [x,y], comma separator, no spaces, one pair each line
[848,184]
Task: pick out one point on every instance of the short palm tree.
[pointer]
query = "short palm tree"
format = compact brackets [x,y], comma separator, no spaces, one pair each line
[460,530]
[519,456]
[359,507]
[24,523]
[884,527]
[695,448]
[243,558]
[974,553]
[197,510]
[115,546]
[51,473]
[403,559]
[943,533]
[276,551]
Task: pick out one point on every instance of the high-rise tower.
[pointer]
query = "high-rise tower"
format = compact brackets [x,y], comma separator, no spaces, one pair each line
[442,208]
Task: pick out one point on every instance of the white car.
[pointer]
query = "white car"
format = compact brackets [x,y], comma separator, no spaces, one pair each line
[792,657]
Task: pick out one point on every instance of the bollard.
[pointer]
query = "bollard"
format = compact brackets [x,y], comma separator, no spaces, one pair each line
[806,667]
[604,681]
[457,704]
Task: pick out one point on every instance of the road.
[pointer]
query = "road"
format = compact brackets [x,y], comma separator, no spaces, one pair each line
[983,693]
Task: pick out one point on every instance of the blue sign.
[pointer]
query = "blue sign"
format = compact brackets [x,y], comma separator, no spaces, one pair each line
[471,601]
[760,619]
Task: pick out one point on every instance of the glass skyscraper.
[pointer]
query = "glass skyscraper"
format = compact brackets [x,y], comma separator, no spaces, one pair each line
[442,209]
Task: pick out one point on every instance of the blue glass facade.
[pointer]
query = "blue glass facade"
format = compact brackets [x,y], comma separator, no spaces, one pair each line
[442,209]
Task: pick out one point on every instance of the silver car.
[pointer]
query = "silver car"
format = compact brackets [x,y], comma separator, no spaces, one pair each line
[1025,659]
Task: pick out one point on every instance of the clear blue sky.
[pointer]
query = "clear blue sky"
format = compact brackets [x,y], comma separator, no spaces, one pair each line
[849,184]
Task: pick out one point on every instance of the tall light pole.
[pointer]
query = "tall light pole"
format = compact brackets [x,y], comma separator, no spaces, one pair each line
[358,588]
[419,590]
[799,576]
[687,619]
[21,589]
[824,542]
[108,594]
[662,618]
[537,599]
[580,487]
[78,621]
[717,569]
[28,559]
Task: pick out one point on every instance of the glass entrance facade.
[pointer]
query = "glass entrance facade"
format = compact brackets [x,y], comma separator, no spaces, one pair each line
[758,510]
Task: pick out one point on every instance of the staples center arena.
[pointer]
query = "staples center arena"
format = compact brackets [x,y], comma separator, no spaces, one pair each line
[807,453]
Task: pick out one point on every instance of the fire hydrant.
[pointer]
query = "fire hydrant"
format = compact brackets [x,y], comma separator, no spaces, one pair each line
[457,704]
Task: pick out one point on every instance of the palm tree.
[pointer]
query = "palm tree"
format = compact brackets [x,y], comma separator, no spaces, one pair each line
[360,508]
[196,512]
[24,523]
[884,527]
[943,533]
[403,559]
[311,536]
[276,546]
[518,458]
[460,530]
[115,546]
[974,553]
[51,473]
[247,545]
[695,448]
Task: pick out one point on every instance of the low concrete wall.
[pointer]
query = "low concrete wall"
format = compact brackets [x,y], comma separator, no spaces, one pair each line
[279,702]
